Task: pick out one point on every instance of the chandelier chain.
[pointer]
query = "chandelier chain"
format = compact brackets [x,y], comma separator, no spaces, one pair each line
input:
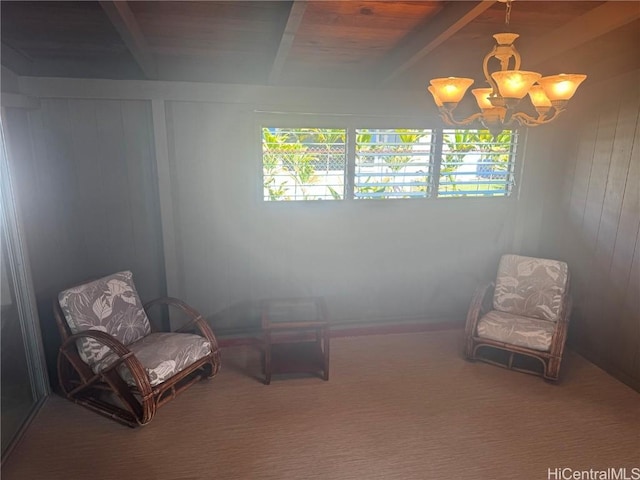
[507,17]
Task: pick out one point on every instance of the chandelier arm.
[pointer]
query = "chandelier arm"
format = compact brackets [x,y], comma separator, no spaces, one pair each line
[485,70]
[529,121]
[447,117]
[516,57]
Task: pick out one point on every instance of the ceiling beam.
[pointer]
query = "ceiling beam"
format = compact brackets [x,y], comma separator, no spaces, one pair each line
[593,24]
[288,35]
[454,17]
[127,26]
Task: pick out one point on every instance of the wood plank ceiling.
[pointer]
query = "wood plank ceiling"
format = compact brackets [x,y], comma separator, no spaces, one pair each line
[371,44]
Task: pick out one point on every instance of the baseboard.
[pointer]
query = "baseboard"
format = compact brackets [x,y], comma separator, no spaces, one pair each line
[346,330]
[394,328]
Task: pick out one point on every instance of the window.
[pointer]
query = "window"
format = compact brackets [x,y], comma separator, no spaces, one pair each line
[475,163]
[361,163]
[392,163]
[303,163]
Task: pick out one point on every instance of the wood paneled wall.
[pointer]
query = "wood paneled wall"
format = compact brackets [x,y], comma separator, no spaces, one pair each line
[84,173]
[595,225]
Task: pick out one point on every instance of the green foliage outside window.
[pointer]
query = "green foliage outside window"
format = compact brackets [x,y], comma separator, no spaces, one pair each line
[392,163]
[475,163]
[303,163]
[312,164]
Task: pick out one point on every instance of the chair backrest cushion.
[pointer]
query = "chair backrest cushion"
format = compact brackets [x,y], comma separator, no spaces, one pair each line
[110,304]
[531,287]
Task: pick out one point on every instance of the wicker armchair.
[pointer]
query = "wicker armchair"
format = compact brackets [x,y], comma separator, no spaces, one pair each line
[520,321]
[112,363]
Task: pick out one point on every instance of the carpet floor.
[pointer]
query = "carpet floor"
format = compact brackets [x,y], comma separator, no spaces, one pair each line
[404,406]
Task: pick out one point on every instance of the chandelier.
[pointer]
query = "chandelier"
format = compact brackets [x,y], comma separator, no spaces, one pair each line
[500,105]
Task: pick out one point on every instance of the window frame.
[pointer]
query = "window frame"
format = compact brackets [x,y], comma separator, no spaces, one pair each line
[404,195]
[352,123]
[515,154]
[302,186]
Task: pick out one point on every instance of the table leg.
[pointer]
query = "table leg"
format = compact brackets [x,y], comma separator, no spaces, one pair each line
[327,336]
[266,355]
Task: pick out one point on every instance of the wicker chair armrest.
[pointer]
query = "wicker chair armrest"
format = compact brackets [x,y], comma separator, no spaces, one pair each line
[476,307]
[559,337]
[124,356]
[566,312]
[196,317]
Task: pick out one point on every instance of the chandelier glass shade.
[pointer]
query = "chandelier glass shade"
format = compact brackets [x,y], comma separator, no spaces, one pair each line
[500,104]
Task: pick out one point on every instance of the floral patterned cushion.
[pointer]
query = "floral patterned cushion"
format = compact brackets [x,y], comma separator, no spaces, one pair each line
[110,304]
[162,355]
[516,330]
[531,287]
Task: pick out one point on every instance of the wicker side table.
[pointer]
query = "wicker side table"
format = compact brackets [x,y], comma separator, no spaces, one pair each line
[295,336]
